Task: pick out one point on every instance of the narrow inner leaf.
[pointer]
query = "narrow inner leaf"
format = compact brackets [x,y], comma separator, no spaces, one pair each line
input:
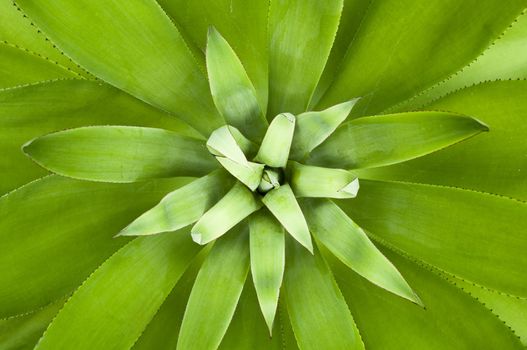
[276,144]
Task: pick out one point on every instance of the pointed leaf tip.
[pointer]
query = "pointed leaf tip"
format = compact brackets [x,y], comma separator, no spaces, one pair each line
[352,188]
[197,237]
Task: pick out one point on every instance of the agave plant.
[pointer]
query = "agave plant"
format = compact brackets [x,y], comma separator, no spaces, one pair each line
[283,174]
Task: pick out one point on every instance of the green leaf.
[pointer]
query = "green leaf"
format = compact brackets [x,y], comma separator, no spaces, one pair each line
[388,139]
[129,287]
[248,329]
[235,206]
[319,314]
[136,154]
[405,46]
[451,320]
[232,91]
[495,162]
[216,292]
[249,174]
[509,308]
[301,34]
[181,207]
[35,110]
[267,262]
[150,61]
[19,67]
[473,235]
[59,230]
[282,203]
[348,242]
[223,142]
[244,27]
[20,31]
[24,331]
[274,150]
[504,60]
[312,128]
[163,330]
[311,181]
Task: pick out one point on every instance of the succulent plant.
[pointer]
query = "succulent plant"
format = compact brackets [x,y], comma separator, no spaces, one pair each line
[283,174]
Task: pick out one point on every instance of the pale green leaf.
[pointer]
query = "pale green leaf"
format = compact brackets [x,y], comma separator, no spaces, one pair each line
[495,162]
[509,308]
[129,288]
[223,143]
[144,55]
[35,110]
[181,207]
[301,33]
[473,235]
[19,67]
[274,150]
[503,60]
[23,332]
[59,230]
[312,128]
[267,262]
[387,139]
[216,292]
[248,329]
[282,203]
[243,26]
[311,181]
[235,206]
[120,154]
[232,90]
[405,46]
[19,30]
[319,314]
[348,242]
[451,320]
[249,174]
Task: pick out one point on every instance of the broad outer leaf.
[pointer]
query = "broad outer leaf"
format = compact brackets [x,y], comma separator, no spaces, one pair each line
[267,242]
[312,128]
[128,288]
[181,207]
[243,26]
[451,320]
[387,139]
[248,329]
[282,203]
[405,46]
[319,314]
[348,242]
[477,236]
[274,150]
[163,330]
[19,30]
[509,308]
[137,154]
[235,206]
[495,162]
[312,181]
[301,33]
[19,67]
[35,110]
[59,230]
[144,55]
[504,60]
[232,90]
[216,292]
[24,331]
